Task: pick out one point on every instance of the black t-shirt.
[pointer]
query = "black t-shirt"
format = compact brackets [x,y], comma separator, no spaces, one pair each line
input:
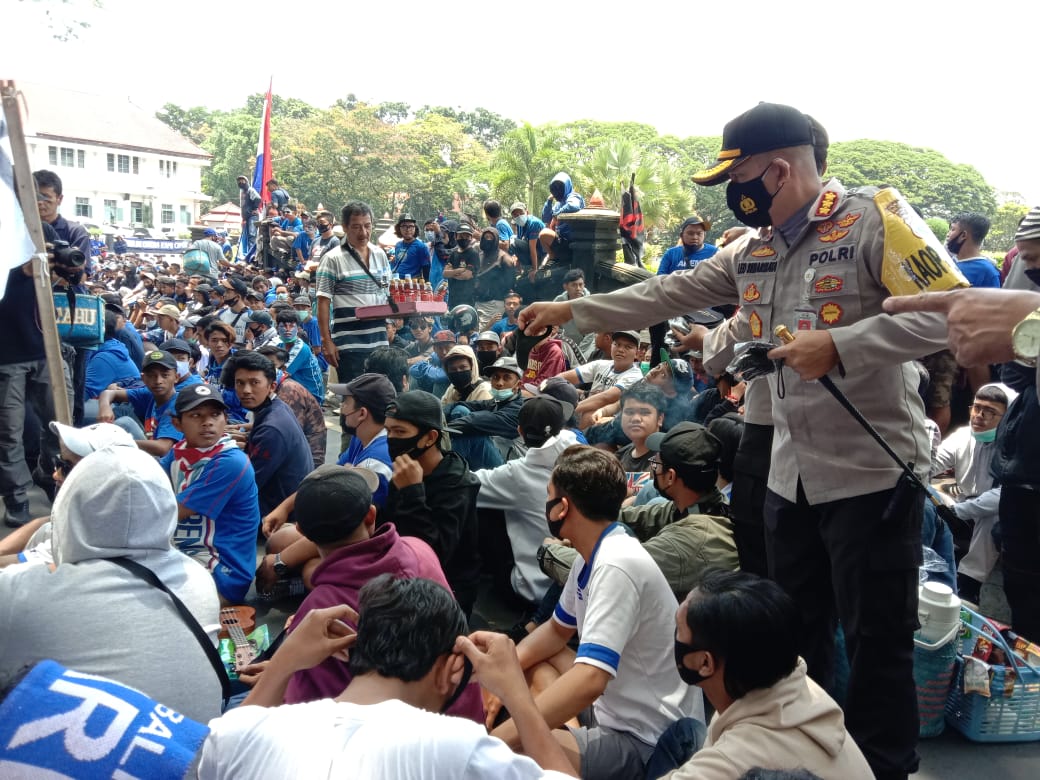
[463,290]
[630,462]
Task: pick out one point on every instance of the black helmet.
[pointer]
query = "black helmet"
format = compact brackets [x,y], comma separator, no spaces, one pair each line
[463,319]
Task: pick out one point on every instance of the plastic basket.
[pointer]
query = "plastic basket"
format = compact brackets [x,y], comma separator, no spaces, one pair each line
[933,670]
[999,718]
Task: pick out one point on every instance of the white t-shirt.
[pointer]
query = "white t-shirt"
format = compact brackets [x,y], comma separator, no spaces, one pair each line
[334,739]
[624,612]
[600,374]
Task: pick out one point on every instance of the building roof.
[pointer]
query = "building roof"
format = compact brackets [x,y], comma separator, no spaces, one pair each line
[67,115]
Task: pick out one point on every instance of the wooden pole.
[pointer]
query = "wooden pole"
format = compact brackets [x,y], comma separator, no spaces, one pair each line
[26,191]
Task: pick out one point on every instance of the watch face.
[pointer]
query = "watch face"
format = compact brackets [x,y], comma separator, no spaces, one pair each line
[1026,338]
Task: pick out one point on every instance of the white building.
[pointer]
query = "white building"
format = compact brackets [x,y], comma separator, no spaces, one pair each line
[119,165]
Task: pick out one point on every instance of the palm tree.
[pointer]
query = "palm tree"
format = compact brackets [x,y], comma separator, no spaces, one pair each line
[524,164]
[662,195]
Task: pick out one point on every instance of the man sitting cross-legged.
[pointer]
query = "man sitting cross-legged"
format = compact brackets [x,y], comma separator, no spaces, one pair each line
[621,684]
[334,511]
[289,552]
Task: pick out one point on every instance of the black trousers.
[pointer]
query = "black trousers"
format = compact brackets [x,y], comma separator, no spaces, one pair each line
[1020,556]
[747,501]
[851,560]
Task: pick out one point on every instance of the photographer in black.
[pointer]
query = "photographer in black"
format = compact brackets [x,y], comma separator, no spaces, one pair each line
[28,447]
[48,200]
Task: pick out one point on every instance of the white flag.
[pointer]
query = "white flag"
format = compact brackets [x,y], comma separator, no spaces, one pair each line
[16,245]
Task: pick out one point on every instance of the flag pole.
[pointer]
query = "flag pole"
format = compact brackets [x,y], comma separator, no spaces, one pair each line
[26,192]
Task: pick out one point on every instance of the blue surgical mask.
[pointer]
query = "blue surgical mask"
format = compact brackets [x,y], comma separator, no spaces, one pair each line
[302,316]
[985,436]
[502,395]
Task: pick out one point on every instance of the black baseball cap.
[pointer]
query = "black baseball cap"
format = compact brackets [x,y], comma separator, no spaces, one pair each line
[195,395]
[373,391]
[542,417]
[421,409]
[686,444]
[177,345]
[765,127]
[555,387]
[332,501]
[158,357]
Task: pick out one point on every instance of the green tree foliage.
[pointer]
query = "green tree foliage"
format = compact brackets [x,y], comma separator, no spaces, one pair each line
[524,165]
[192,123]
[662,195]
[485,126]
[927,179]
[1004,226]
[441,158]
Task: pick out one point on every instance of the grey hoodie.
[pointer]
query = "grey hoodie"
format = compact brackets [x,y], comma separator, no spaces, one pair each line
[95,617]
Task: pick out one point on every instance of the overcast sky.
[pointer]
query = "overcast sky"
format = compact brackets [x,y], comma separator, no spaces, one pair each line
[952,76]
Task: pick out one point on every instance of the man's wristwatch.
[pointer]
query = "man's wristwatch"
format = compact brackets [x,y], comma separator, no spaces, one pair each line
[281,569]
[1025,338]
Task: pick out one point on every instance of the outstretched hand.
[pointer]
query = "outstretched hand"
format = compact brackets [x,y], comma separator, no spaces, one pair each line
[538,317]
[979,320]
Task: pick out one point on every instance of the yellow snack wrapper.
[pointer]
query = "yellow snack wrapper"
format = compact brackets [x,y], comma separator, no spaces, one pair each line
[914,259]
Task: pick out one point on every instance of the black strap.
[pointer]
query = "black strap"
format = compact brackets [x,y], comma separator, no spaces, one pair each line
[365,268]
[149,576]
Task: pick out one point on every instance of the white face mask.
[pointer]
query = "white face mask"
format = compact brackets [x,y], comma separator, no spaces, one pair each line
[520,220]
[183,367]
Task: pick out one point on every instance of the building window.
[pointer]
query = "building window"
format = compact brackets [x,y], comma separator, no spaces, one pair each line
[68,157]
[124,163]
[136,211]
[137,166]
[52,155]
[112,163]
[185,214]
[111,210]
[167,214]
[174,167]
[83,207]
[81,158]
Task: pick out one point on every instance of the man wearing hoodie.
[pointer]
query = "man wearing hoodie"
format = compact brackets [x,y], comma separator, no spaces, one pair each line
[545,360]
[485,430]
[495,276]
[111,363]
[460,364]
[433,495]
[562,200]
[335,512]
[98,618]
[969,452]
[517,488]
[736,639]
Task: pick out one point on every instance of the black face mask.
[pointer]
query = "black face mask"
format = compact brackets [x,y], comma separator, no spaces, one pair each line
[488,244]
[555,526]
[1033,275]
[406,445]
[467,672]
[688,676]
[953,246]
[230,301]
[464,243]
[750,201]
[486,358]
[460,379]
[659,488]
[323,228]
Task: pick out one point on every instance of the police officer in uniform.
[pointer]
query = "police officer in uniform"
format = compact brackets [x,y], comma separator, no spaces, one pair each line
[843,533]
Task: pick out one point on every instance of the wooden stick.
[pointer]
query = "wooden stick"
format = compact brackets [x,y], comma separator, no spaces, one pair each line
[26,192]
